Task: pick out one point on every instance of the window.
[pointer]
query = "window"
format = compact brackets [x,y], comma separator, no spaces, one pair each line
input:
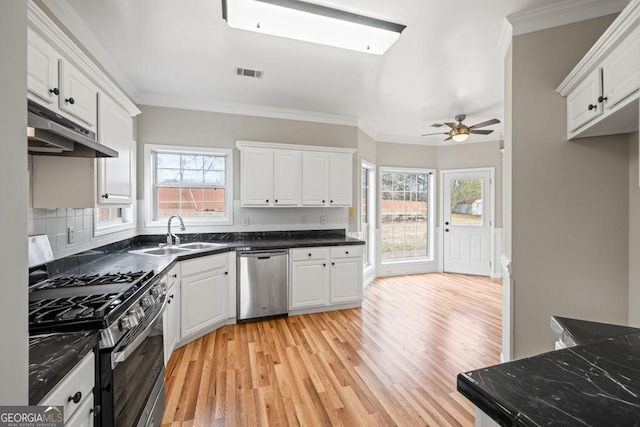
[367,213]
[406,223]
[194,183]
[110,220]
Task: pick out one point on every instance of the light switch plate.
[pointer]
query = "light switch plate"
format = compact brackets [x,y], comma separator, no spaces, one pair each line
[71,235]
[245,220]
[323,219]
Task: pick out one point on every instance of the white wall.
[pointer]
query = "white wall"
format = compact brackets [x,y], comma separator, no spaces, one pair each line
[13,197]
[570,199]
[634,231]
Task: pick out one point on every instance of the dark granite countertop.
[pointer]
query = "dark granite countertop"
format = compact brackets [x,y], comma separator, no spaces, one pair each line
[596,383]
[52,356]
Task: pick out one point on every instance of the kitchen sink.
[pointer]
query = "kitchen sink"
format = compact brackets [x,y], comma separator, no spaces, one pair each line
[200,245]
[161,251]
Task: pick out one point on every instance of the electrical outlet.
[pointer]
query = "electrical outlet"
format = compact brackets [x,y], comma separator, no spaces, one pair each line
[71,235]
[245,220]
[303,219]
[352,210]
[323,219]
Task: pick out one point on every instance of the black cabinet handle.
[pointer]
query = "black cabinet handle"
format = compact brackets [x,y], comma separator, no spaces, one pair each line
[331,201]
[169,301]
[601,99]
[323,201]
[333,263]
[324,265]
[267,200]
[346,252]
[446,223]
[446,230]
[55,91]
[70,101]
[226,273]
[105,196]
[309,254]
[175,276]
[76,398]
[592,107]
[276,200]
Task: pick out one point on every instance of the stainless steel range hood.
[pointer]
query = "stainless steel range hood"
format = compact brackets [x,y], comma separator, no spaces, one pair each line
[50,134]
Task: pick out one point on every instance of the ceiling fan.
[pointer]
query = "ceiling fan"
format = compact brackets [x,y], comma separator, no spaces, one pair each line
[460,132]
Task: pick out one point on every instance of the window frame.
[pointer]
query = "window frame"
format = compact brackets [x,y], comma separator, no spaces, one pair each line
[370,239]
[126,222]
[431,214]
[150,183]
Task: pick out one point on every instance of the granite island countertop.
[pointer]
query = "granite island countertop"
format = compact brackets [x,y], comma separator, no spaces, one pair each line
[52,356]
[596,383]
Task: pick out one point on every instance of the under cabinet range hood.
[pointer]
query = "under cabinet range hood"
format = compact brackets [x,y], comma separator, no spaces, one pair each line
[53,135]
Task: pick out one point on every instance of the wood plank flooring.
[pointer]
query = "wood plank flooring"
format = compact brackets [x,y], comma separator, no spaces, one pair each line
[392,362]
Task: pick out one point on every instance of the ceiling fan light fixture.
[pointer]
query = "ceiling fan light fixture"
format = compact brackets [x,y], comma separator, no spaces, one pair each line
[460,137]
[312,23]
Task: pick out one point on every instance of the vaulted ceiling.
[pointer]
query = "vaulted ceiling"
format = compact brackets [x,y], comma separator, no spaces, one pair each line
[449,60]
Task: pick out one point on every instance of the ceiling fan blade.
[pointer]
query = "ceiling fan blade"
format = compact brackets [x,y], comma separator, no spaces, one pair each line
[481,132]
[448,139]
[437,133]
[483,124]
[437,125]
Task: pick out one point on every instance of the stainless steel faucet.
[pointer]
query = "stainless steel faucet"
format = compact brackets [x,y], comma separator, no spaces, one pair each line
[170,236]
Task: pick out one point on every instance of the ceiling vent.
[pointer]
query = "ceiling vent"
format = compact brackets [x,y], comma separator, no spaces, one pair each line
[248,72]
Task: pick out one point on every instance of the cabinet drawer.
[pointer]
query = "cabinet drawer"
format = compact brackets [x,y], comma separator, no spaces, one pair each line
[349,251]
[79,380]
[309,253]
[199,265]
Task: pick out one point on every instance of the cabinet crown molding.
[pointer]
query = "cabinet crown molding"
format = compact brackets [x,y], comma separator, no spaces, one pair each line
[255,144]
[626,22]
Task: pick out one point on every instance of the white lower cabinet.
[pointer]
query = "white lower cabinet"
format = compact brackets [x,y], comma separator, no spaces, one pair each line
[325,278]
[75,393]
[171,319]
[204,293]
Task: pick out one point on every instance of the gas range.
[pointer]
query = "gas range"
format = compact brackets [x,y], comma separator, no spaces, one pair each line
[112,303]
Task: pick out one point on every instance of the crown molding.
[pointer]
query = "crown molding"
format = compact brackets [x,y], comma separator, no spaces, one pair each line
[370,130]
[563,13]
[506,34]
[68,16]
[156,100]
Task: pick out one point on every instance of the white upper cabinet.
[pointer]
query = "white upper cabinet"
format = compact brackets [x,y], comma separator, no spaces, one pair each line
[78,94]
[116,176]
[42,71]
[282,175]
[315,178]
[603,89]
[257,177]
[340,179]
[53,82]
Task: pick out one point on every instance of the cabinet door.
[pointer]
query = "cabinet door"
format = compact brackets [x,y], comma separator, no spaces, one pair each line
[84,416]
[346,280]
[340,179]
[286,178]
[115,175]
[257,177]
[204,300]
[78,95]
[582,102]
[42,70]
[171,321]
[621,70]
[309,284]
[315,178]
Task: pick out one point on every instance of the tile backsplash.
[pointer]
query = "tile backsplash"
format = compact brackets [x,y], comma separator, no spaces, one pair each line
[55,223]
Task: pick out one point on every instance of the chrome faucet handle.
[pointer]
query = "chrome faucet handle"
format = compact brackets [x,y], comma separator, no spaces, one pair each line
[169,240]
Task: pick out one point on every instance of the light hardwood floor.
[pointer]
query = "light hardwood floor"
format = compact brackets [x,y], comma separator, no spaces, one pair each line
[393,362]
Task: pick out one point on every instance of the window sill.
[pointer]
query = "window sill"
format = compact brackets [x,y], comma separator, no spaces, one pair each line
[188,222]
[113,228]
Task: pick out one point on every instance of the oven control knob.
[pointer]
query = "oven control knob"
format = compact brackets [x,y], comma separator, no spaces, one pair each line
[147,301]
[139,311]
[125,323]
[155,291]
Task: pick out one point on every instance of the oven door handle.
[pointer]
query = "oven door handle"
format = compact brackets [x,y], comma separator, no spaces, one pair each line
[121,356]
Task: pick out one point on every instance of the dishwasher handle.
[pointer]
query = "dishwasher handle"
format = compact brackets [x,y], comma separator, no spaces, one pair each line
[262,254]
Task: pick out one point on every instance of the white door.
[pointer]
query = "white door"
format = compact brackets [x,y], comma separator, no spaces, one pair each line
[467,222]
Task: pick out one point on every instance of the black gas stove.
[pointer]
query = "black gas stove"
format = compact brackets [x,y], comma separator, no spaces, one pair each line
[85,302]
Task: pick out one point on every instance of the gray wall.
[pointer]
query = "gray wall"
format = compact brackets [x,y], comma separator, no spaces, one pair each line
[570,198]
[477,155]
[170,126]
[634,231]
[406,155]
[13,196]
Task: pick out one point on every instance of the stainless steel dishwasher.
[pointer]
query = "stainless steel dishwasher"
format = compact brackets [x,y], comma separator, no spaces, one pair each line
[262,284]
